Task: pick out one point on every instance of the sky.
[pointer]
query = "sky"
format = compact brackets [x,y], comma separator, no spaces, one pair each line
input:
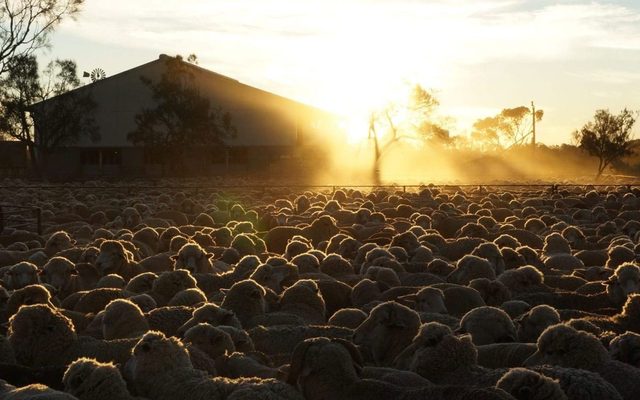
[350,56]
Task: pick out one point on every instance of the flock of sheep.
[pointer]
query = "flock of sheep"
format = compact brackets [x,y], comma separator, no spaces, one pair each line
[457,293]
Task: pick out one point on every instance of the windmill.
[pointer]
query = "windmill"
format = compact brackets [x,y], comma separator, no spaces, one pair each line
[95,75]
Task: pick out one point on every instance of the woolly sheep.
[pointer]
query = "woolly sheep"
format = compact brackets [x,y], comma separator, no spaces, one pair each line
[88,379]
[188,297]
[626,348]
[488,325]
[21,274]
[525,384]
[386,331]
[304,300]
[193,258]
[214,342]
[211,314]
[161,369]
[471,267]
[114,259]
[564,346]
[494,293]
[123,319]
[535,321]
[170,283]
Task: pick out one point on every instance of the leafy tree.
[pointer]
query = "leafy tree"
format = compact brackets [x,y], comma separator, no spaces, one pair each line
[25,25]
[512,126]
[607,137]
[59,122]
[182,117]
[415,120]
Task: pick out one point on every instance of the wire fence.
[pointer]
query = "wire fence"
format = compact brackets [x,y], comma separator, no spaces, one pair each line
[20,217]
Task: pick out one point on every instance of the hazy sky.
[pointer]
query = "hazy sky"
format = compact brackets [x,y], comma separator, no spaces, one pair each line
[570,57]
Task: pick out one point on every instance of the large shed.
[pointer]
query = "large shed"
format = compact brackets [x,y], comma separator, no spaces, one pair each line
[274,134]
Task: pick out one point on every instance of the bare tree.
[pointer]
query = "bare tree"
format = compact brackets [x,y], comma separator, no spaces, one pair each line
[25,25]
[608,137]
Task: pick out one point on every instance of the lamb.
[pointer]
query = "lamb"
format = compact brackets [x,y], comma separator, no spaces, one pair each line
[488,325]
[123,319]
[304,300]
[388,329]
[88,379]
[564,346]
[525,384]
[161,369]
[42,336]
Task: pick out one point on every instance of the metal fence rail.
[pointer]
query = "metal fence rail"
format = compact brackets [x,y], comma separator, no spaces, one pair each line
[20,217]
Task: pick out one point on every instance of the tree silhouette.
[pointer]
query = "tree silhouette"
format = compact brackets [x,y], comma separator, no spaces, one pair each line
[512,126]
[182,117]
[607,137]
[61,121]
[25,25]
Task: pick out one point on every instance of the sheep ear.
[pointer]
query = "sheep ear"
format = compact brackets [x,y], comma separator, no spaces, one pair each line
[297,362]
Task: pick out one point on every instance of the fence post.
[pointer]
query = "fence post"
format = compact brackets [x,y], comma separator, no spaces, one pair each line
[1,219]
[39,220]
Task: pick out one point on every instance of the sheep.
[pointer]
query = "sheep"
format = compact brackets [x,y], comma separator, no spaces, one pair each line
[111,281]
[460,299]
[95,300]
[626,348]
[57,242]
[618,255]
[188,297]
[42,336]
[68,278]
[193,258]
[504,355]
[141,283]
[304,300]
[168,320]
[115,259]
[386,331]
[523,280]
[336,295]
[275,277]
[624,281]
[347,318]
[212,341]
[322,368]
[170,283]
[211,314]
[123,319]
[428,300]
[443,358]
[246,300]
[88,379]
[535,321]
[471,267]
[525,384]
[20,275]
[161,369]
[238,365]
[31,392]
[32,294]
[564,346]
[491,252]
[626,320]
[494,293]
[488,325]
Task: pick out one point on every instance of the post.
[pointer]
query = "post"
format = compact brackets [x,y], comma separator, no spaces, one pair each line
[39,220]
[533,118]
[1,219]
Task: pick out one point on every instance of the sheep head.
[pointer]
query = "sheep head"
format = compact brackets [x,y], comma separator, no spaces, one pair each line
[113,258]
[567,347]
[193,258]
